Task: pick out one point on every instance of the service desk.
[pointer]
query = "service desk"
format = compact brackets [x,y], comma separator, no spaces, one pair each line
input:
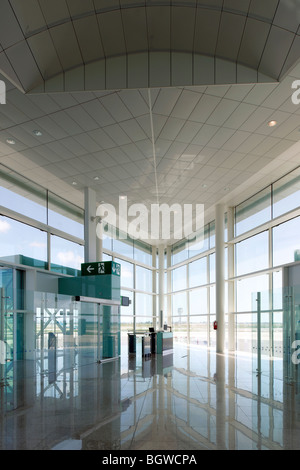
[164,342]
[139,343]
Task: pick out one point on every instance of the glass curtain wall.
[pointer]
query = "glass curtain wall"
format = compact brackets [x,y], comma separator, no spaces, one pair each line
[266,228]
[138,280]
[37,227]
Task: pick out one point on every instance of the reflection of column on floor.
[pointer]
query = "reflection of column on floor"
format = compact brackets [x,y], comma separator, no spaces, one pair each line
[221,401]
[232,399]
[29,323]
[2,343]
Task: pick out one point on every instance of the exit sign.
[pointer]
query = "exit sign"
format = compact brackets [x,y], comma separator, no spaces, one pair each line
[100,268]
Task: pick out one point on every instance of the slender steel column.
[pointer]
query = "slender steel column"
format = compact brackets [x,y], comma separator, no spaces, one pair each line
[90,250]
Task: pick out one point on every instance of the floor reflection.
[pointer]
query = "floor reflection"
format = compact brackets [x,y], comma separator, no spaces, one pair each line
[193,399]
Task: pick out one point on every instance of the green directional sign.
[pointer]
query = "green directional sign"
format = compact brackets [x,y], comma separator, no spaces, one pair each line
[100,268]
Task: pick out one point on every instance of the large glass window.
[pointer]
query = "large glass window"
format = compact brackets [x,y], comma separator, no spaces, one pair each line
[245,288]
[65,254]
[252,254]
[253,212]
[123,246]
[180,251]
[19,241]
[143,311]
[286,242]
[198,301]
[179,305]
[22,196]
[200,242]
[127,275]
[286,193]
[143,279]
[65,216]
[179,278]
[142,252]
[198,272]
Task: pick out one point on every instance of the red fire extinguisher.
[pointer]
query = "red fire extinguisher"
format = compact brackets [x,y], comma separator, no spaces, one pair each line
[215,325]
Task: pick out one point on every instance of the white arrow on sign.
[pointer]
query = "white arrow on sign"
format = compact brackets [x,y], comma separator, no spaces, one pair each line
[90,269]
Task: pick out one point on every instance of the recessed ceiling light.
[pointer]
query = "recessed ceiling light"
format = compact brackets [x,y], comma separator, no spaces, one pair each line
[10,141]
[272,123]
[37,133]
[74,183]
[96,178]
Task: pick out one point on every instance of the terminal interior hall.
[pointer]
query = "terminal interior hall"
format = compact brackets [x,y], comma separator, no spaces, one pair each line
[149,225]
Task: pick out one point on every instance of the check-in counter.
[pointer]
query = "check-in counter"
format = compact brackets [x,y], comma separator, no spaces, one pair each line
[164,342]
[139,343]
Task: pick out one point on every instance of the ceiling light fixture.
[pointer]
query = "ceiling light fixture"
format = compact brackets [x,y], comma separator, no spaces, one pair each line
[272,123]
[96,178]
[74,183]
[10,141]
[37,133]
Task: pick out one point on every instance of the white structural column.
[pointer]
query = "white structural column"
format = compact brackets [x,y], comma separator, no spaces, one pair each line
[90,237]
[154,287]
[99,240]
[220,278]
[169,286]
[161,262]
[231,287]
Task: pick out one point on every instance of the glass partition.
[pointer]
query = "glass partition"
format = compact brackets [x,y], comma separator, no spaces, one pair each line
[275,333]
[52,333]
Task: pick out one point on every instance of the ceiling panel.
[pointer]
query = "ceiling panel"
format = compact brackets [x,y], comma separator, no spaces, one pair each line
[79,8]
[30,16]
[135,28]
[55,11]
[90,44]
[182,28]
[206,31]
[66,45]
[24,65]
[42,47]
[10,31]
[185,104]
[253,42]
[230,33]
[159,28]
[204,108]
[273,57]
[112,35]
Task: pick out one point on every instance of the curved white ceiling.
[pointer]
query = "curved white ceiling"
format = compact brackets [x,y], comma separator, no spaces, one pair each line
[71,45]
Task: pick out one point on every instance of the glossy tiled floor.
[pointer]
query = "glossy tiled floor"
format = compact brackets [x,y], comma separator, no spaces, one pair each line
[192,399]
